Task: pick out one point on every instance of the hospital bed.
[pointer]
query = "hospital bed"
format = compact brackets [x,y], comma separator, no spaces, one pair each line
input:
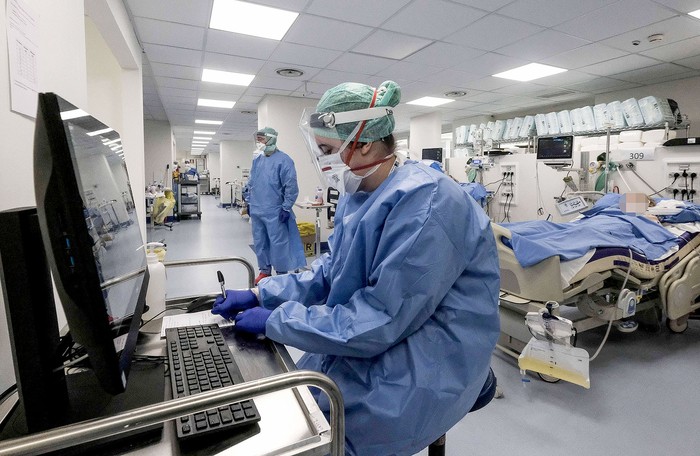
[588,288]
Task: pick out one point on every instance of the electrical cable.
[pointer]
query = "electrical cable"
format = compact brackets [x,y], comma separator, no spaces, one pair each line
[607,332]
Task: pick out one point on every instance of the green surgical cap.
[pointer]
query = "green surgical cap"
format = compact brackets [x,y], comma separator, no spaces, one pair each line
[351,96]
[271,135]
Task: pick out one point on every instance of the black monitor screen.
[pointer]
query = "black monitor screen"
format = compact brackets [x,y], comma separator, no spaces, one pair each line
[432,154]
[555,148]
[91,232]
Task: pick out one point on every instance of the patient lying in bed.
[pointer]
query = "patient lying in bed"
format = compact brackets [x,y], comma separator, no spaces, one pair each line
[603,238]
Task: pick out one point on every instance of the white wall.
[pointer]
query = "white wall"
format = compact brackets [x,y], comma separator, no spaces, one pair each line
[158,151]
[425,132]
[214,165]
[234,156]
[63,68]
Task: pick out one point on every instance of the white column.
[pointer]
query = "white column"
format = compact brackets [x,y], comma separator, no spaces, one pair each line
[425,132]
[234,156]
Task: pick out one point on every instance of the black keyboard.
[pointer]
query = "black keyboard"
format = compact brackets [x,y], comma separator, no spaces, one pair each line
[201,361]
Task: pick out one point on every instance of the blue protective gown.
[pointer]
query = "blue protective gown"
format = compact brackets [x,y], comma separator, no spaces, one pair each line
[402,314]
[273,186]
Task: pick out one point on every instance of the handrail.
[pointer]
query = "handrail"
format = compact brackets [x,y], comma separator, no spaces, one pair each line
[177,263]
[243,261]
[90,430]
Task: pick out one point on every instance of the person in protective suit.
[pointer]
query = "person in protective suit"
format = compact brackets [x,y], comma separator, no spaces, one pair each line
[403,312]
[270,194]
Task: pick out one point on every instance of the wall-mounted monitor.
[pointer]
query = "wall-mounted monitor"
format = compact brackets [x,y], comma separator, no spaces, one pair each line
[555,150]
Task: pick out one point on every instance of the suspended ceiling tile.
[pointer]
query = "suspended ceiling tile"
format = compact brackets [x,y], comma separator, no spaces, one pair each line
[182,11]
[365,64]
[598,84]
[276,83]
[487,5]
[584,56]
[691,62]
[564,79]
[223,62]
[542,45]
[408,70]
[432,18]
[683,6]
[619,17]
[326,33]
[364,12]
[169,33]
[490,63]
[493,32]
[673,30]
[187,84]
[453,78]
[676,51]
[288,5]
[176,71]
[217,95]
[521,88]
[619,65]
[548,13]
[297,54]
[642,75]
[269,69]
[182,93]
[443,55]
[173,55]
[390,45]
[623,86]
[224,42]
[489,83]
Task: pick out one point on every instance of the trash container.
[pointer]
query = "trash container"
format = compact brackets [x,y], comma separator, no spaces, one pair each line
[307,231]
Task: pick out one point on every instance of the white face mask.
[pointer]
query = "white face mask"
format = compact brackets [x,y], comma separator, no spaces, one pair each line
[339,176]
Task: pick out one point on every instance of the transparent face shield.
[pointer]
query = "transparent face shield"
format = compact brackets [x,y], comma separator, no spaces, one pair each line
[330,154]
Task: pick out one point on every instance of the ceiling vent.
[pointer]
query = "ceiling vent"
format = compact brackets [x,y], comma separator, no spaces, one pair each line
[559,93]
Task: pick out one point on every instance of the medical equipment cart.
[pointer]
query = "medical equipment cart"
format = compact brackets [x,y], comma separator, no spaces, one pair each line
[188,196]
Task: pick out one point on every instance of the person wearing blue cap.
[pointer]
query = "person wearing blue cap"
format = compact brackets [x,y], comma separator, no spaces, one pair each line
[403,312]
[270,194]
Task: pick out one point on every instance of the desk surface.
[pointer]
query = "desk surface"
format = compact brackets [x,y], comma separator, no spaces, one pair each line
[291,422]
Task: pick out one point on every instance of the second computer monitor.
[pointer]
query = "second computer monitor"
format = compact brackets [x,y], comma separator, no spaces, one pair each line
[555,150]
[434,153]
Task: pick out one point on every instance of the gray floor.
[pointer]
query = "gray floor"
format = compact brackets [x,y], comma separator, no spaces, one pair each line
[642,401]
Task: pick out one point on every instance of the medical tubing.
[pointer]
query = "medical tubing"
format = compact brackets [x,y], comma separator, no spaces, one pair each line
[607,332]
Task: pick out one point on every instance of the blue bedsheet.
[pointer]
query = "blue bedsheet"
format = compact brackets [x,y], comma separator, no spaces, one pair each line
[605,225]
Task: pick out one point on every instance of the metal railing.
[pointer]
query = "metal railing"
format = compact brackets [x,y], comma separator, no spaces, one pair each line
[87,431]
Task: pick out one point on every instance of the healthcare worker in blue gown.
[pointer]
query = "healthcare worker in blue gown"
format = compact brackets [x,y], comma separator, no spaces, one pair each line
[270,193]
[402,313]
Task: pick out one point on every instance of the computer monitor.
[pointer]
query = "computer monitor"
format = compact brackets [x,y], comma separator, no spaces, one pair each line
[555,150]
[434,153]
[87,221]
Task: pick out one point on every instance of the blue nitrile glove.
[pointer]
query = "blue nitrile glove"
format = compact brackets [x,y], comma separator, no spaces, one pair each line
[253,320]
[284,216]
[236,300]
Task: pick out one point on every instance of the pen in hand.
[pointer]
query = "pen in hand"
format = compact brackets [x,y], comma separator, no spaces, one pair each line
[221,282]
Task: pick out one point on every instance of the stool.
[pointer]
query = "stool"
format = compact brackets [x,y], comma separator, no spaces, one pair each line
[488,391]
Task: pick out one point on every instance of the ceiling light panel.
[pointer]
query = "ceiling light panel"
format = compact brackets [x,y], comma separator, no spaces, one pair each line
[247,18]
[529,72]
[695,13]
[215,103]
[430,101]
[204,132]
[227,77]
[208,122]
